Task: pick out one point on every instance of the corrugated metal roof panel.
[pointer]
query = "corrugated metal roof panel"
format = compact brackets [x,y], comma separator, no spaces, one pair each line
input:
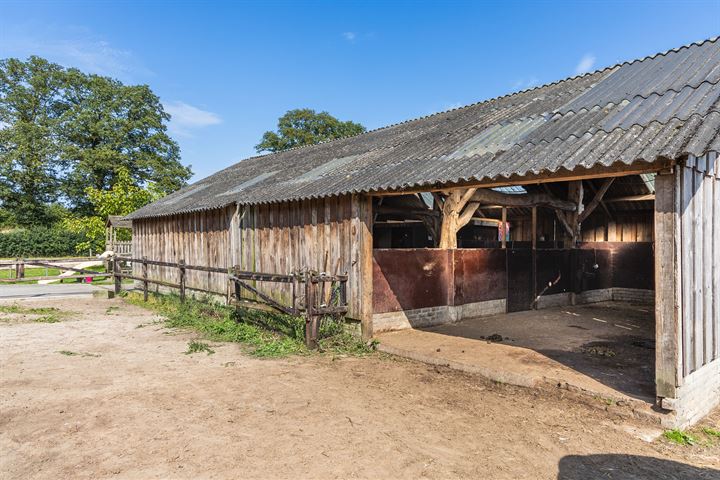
[664,106]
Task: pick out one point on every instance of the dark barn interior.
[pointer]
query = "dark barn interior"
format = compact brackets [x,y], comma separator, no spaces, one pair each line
[585,304]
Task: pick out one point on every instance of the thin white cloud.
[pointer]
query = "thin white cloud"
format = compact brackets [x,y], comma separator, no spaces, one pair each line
[349,36]
[72,47]
[185,117]
[586,64]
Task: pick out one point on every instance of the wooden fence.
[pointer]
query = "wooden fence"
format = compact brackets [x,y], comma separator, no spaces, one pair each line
[17,269]
[314,295]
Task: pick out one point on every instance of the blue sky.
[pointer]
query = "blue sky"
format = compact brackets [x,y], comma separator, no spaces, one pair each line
[227,71]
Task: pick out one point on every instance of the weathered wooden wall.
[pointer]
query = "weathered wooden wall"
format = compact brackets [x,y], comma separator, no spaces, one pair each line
[625,227]
[700,257]
[329,235]
[687,224]
[200,238]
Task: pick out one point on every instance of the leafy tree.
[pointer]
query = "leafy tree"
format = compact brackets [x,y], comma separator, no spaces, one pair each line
[109,127]
[122,198]
[30,107]
[306,127]
[62,131]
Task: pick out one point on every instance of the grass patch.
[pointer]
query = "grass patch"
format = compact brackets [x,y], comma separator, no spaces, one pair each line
[711,432]
[680,437]
[197,347]
[44,314]
[266,334]
[19,309]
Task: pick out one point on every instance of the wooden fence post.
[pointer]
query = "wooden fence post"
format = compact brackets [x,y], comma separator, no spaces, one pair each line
[116,274]
[181,265]
[310,342]
[145,278]
[20,269]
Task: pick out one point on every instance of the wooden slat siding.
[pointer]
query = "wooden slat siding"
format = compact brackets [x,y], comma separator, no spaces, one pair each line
[698,257]
[687,240]
[708,319]
[700,262]
[667,298]
[716,254]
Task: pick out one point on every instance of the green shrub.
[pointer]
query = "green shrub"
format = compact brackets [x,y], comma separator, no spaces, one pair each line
[38,242]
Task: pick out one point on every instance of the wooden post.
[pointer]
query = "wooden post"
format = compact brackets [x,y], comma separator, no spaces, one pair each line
[20,269]
[145,282]
[457,211]
[668,372]
[310,342]
[503,238]
[181,265]
[575,194]
[534,253]
[116,274]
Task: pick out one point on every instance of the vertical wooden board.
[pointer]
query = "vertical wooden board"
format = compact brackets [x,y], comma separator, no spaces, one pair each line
[686,268]
[716,259]
[708,333]
[699,233]
[307,235]
[666,278]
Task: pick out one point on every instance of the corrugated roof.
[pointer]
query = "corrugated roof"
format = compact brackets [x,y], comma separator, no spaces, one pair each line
[663,106]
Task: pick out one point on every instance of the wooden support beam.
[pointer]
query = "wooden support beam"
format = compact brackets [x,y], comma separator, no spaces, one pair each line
[534,228]
[597,199]
[503,240]
[668,297]
[561,216]
[538,199]
[559,176]
[632,198]
[602,202]
[457,211]
[575,195]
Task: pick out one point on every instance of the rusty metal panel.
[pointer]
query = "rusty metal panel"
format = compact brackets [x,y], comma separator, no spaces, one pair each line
[480,275]
[407,279]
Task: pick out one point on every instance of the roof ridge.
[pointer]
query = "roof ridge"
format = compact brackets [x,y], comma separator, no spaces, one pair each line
[696,43]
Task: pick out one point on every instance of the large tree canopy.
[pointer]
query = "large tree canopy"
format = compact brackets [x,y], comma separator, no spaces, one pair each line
[306,127]
[31,104]
[62,131]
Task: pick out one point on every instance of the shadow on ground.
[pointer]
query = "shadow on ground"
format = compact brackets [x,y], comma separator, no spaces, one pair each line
[611,342]
[629,467]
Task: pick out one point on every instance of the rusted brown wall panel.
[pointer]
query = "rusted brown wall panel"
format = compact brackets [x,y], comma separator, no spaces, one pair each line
[480,275]
[411,279]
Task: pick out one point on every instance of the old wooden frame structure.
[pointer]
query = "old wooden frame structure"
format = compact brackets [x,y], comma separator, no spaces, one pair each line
[313,301]
[571,146]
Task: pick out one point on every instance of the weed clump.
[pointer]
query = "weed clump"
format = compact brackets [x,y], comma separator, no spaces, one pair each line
[197,347]
[680,437]
[267,334]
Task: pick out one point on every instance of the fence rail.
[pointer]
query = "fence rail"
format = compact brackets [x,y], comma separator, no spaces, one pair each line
[308,290]
[20,264]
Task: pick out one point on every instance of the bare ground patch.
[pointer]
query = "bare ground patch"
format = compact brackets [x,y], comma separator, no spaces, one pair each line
[132,404]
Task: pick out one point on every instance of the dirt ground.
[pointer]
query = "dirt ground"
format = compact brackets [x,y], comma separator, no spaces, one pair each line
[123,401]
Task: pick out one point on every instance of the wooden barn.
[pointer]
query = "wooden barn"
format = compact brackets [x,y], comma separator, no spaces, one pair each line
[599,191]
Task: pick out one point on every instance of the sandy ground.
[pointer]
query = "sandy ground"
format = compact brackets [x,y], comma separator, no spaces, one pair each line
[130,404]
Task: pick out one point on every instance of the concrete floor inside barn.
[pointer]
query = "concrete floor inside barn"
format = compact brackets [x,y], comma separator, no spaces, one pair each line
[606,349]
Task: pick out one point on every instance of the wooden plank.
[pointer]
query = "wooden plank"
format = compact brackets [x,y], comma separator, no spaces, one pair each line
[698,259]
[666,276]
[716,262]
[686,269]
[707,292]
